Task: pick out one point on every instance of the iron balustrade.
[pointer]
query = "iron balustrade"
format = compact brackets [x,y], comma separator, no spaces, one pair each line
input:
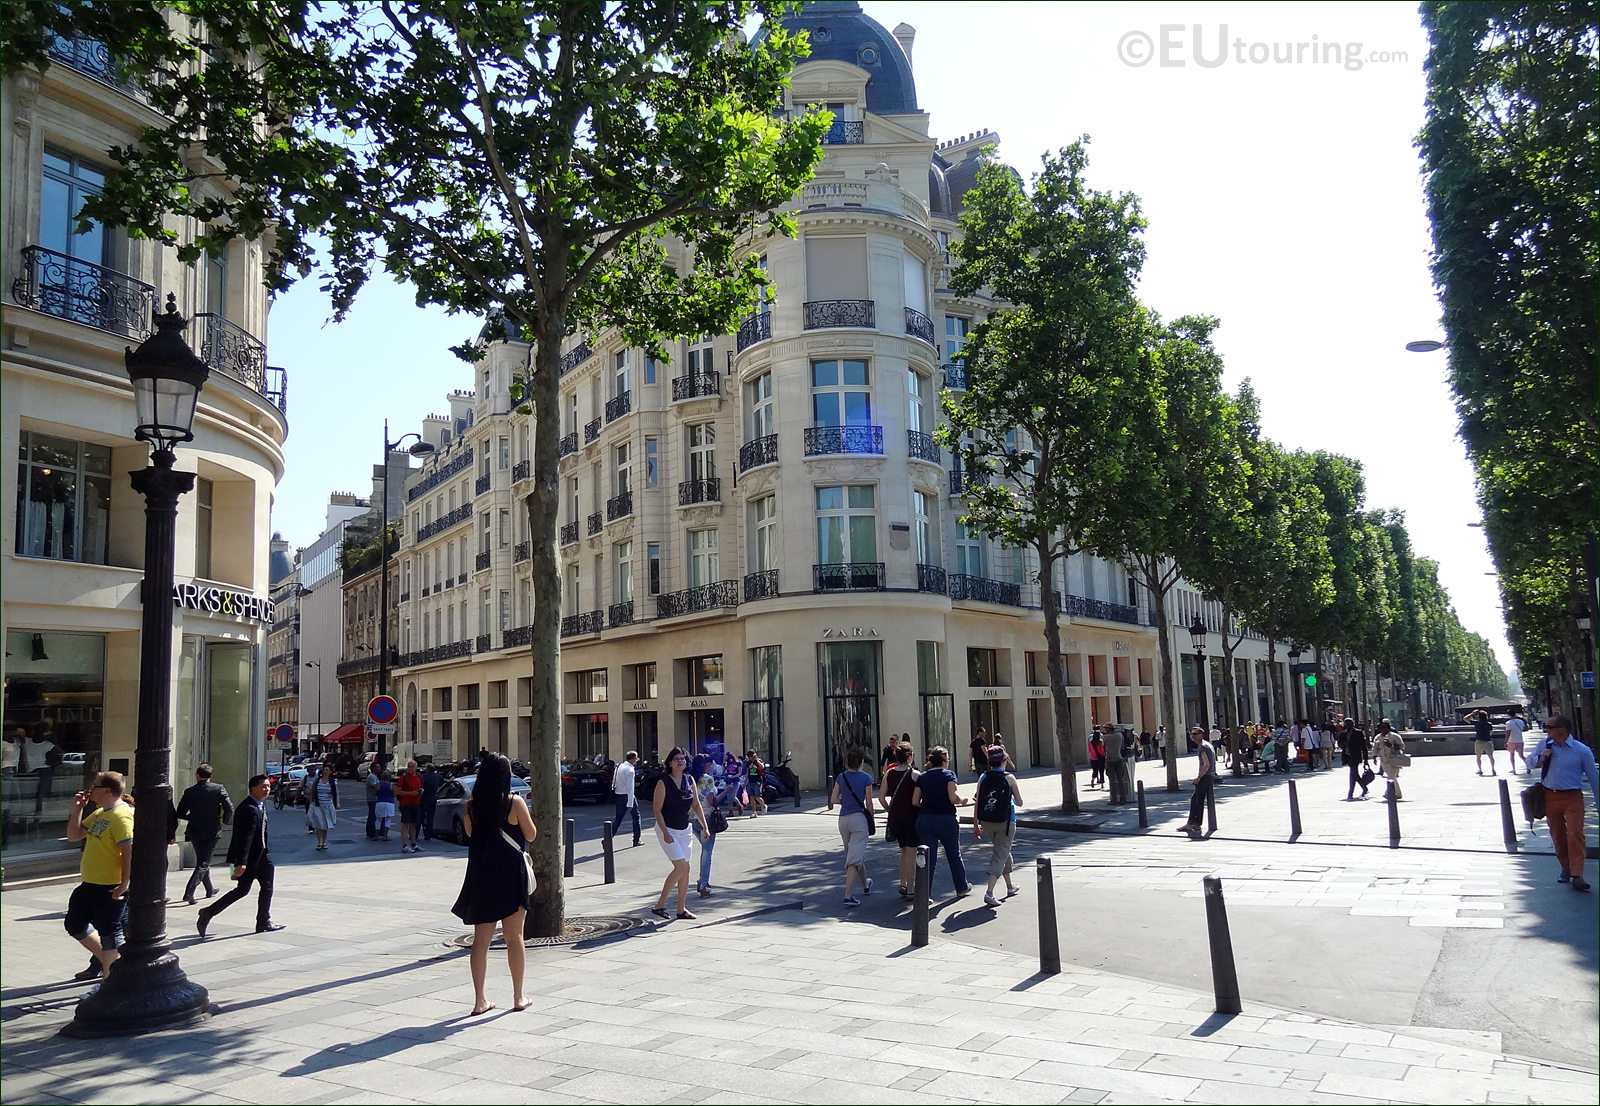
[984,590]
[481,645]
[92,58]
[962,479]
[521,471]
[444,522]
[357,667]
[597,522]
[523,551]
[1083,607]
[930,578]
[483,560]
[619,506]
[517,636]
[591,430]
[461,580]
[481,484]
[762,584]
[919,325]
[405,597]
[822,440]
[619,406]
[849,576]
[277,391]
[230,349]
[922,447]
[700,491]
[94,295]
[758,451]
[462,462]
[437,588]
[620,614]
[569,533]
[454,651]
[449,582]
[955,376]
[282,692]
[845,132]
[696,386]
[696,600]
[820,314]
[575,357]
[569,444]
[590,622]
[754,328]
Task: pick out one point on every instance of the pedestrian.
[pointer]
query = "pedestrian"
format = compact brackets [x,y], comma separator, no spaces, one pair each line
[408,798]
[1097,761]
[498,880]
[894,795]
[852,794]
[936,799]
[674,798]
[1564,766]
[707,835]
[1292,738]
[97,906]
[374,780]
[1160,742]
[1392,755]
[431,780]
[1515,728]
[978,750]
[1204,780]
[623,779]
[1326,741]
[1309,741]
[995,813]
[322,804]
[1483,741]
[1357,751]
[250,854]
[1130,757]
[206,808]
[1114,765]
[384,808]
[756,783]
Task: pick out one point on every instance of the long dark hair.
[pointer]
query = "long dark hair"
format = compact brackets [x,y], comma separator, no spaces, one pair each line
[491,791]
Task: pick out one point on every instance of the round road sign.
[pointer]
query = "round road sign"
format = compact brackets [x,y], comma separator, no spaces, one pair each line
[284,733]
[382,710]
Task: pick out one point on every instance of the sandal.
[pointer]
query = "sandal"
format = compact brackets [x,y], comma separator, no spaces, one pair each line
[660,912]
[704,892]
[687,916]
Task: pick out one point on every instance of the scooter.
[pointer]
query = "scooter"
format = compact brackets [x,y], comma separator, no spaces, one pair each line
[781,782]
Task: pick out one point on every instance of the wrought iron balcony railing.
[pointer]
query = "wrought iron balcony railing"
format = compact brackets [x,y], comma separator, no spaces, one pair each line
[405,597]
[439,525]
[483,560]
[762,584]
[523,551]
[821,440]
[963,479]
[461,580]
[984,590]
[569,533]
[754,328]
[92,58]
[462,462]
[569,444]
[620,614]
[930,578]
[922,447]
[591,430]
[700,491]
[67,288]
[706,597]
[521,471]
[621,405]
[919,325]
[851,576]
[758,451]
[696,386]
[596,523]
[481,484]
[590,622]
[845,132]
[481,644]
[825,313]
[1083,607]
[955,376]
[362,665]
[230,349]
[517,636]
[575,357]
[619,506]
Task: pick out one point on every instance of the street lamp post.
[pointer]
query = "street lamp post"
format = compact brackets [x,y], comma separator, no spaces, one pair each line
[1355,696]
[1197,638]
[1296,698]
[322,730]
[146,988]
[419,448]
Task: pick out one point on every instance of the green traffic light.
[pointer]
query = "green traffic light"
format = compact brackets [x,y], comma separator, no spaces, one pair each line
[1311,679]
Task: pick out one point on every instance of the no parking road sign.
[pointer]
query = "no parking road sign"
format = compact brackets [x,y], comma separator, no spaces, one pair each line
[284,734]
[382,710]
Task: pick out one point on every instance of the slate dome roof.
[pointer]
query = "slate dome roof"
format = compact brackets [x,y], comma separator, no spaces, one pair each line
[841,31]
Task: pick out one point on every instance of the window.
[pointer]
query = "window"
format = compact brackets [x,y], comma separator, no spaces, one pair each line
[572,499]
[916,399]
[483,532]
[574,583]
[944,246]
[640,680]
[485,611]
[649,370]
[203,493]
[847,524]
[703,568]
[590,686]
[497,693]
[216,285]
[983,668]
[572,413]
[592,735]
[653,568]
[503,453]
[969,551]
[763,420]
[766,672]
[840,395]
[63,499]
[450,625]
[621,482]
[705,675]
[622,589]
[702,450]
[469,696]
[66,185]
[442,698]
[622,375]
[764,531]
[652,472]
[955,336]
[525,602]
[922,507]
[700,358]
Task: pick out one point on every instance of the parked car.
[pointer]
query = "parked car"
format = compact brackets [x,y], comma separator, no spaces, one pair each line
[453,796]
[588,778]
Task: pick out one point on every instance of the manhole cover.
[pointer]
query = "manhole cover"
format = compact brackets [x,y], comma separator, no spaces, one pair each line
[575,930]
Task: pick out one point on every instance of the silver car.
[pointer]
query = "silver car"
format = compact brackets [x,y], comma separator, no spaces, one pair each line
[448,819]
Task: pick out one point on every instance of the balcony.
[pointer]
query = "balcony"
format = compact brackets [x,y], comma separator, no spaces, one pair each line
[845,132]
[523,551]
[67,288]
[449,582]
[930,578]
[454,651]
[596,523]
[519,636]
[820,314]
[697,386]
[569,533]
[282,692]
[700,491]
[482,563]
[758,451]
[462,462]
[983,590]
[824,440]
[955,376]
[229,349]
[851,576]
[962,480]
[461,580]
[481,645]
[697,600]
[619,506]
[621,405]
[439,525]
[362,665]
[521,471]
[755,328]
[575,357]
[405,597]
[919,325]
[922,447]
[481,484]
[761,585]
[591,430]
[590,622]
[92,58]
[1080,606]
[569,444]
[620,614]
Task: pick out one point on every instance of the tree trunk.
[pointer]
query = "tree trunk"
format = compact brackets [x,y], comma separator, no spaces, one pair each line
[1272,677]
[1169,709]
[1065,752]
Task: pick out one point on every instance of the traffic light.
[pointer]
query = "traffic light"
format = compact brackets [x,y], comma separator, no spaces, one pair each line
[1311,679]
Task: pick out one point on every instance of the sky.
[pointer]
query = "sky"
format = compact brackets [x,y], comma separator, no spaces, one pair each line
[1284,195]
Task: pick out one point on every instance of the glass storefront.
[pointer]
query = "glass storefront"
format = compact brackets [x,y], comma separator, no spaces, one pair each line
[54,732]
[847,675]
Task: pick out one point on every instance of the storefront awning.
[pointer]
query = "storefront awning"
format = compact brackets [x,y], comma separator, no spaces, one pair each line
[352,734]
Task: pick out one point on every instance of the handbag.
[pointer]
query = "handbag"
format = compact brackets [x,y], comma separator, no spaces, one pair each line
[716,821]
[888,834]
[527,861]
[872,823]
[1533,795]
[1366,775]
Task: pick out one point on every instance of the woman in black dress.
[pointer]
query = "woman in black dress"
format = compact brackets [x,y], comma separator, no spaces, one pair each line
[497,883]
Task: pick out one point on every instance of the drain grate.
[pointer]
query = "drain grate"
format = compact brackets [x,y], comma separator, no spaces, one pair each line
[575,930]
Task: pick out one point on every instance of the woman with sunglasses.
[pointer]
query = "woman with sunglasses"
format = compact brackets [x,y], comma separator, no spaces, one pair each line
[674,798]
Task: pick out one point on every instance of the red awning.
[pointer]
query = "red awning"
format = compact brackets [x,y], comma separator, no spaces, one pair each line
[353,734]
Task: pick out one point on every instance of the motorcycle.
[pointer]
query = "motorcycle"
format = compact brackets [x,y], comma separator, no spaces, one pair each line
[781,782]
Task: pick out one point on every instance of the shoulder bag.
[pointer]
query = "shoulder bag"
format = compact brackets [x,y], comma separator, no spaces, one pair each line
[1533,794]
[872,823]
[716,821]
[527,861]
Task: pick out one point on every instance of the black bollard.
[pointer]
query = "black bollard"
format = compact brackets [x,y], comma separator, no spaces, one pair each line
[1211,811]
[1049,938]
[919,900]
[1224,979]
[1508,824]
[1144,815]
[610,861]
[1391,796]
[566,868]
[1294,812]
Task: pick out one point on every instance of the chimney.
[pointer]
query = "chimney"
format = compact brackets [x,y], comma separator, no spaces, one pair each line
[905,34]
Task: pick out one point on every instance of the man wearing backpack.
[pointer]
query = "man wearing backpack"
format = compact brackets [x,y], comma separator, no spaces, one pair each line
[1206,754]
[995,813]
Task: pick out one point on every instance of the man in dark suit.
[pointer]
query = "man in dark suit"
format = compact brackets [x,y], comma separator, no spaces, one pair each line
[206,806]
[251,860]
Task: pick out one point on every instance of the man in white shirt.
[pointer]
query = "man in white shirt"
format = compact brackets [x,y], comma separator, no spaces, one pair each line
[1515,728]
[622,778]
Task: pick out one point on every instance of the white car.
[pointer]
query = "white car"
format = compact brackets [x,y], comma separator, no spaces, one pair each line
[453,796]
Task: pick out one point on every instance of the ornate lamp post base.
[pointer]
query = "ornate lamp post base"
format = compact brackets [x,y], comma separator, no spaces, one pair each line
[143,993]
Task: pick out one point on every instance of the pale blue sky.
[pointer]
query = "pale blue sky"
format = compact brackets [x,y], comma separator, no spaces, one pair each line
[1284,198]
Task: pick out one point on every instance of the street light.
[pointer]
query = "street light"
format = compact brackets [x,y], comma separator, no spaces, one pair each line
[146,988]
[419,448]
[318,666]
[1355,697]
[1296,651]
[1424,345]
[1197,637]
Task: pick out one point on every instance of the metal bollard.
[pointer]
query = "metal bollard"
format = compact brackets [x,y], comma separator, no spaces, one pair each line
[1144,815]
[1211,811]
[605,845]
[566,868]
[1508,823]
[1294,812]
[919,900]
[1049,938]
[1224,979]
[1391,797]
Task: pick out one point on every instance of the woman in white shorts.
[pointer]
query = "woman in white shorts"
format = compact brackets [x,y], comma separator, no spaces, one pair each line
[674,798]
[1514,728]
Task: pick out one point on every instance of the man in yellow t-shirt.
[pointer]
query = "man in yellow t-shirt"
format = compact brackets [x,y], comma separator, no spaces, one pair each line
[95,910]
